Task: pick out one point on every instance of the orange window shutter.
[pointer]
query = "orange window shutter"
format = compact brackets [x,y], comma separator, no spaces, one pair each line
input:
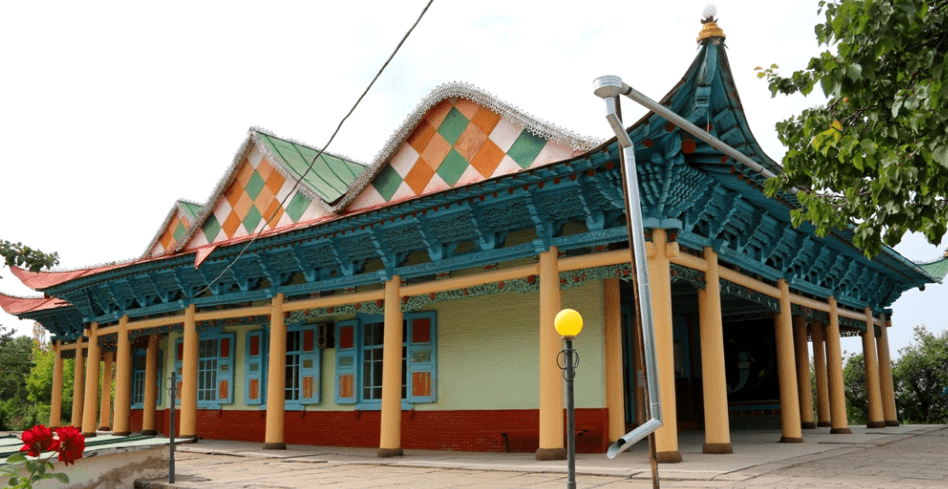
[255,389]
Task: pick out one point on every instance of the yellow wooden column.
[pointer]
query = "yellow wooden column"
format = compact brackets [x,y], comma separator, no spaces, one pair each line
[78,385]
[804,388]
[390,439]
[123,380]
[717,430]
[885,370]
[90,408]
[659,250]
[56,403]
[276,377]
[105,401]
[189,375]
[612,319]
[834,363]
[873,389]
[786,370]
[819,371]
[151,387]
[551,378]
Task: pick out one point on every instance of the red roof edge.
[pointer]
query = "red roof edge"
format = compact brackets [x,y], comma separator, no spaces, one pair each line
[19,305]
[44,280]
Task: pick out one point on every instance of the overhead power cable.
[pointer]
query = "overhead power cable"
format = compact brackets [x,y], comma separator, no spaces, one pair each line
[263,224]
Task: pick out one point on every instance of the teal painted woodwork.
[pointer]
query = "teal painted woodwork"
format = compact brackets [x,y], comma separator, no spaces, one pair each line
[687,186]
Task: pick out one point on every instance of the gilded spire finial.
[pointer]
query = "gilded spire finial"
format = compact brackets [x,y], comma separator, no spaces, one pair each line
[710,28]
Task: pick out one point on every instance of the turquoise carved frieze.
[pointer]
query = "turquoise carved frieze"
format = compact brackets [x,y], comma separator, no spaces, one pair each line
[730,288]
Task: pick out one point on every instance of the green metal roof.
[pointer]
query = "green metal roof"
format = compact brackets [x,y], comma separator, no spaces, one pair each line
[330,176]
[192,209]
[937,269]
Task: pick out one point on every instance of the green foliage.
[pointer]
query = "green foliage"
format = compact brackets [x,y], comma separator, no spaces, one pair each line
[15,366]
[876,155]
[39,384]
[21,255]
[921,377]
[36,471]
[854,383]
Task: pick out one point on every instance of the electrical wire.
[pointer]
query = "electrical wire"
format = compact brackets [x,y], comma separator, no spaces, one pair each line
[296,185]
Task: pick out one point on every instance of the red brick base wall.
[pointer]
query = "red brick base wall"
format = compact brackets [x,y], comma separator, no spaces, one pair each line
[480,431]
[135,421]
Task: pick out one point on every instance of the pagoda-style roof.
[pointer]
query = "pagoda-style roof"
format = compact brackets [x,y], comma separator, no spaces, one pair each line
[464,172]
[20,305]
[937,268]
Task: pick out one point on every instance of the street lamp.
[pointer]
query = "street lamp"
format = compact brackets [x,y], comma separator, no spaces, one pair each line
[569,324]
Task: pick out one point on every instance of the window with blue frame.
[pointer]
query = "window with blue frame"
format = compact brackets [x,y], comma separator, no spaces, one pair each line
[359,355]
[215,368]
[301,373]
[138,379]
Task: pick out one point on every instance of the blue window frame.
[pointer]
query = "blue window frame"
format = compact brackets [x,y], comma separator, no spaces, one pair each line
[215,368]
[302,371]
[359,354]
[138,379]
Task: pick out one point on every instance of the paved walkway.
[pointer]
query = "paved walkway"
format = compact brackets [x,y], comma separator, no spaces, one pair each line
[906,456]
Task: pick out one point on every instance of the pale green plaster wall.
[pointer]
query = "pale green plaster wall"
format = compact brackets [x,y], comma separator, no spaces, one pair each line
[488,351]
[327,371]
[488,354]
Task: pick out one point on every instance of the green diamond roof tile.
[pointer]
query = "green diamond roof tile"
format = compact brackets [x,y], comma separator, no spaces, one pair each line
[252,218]
[255,185]
[526,148]
[179,231]
[297,206]
[211,228]
[330,176]
[453,125]
[387,182]
[452,167]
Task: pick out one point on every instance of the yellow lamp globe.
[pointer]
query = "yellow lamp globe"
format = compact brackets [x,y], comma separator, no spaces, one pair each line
[568,323]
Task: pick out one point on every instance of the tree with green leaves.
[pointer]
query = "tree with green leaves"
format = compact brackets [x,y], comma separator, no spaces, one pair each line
[854,386]
[874,158]
[15,366]
[39,384]
[23,256]
[921,378]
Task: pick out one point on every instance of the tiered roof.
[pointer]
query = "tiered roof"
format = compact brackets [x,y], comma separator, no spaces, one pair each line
[463,146]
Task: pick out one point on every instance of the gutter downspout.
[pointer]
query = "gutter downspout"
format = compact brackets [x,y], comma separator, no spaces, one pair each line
[609,87]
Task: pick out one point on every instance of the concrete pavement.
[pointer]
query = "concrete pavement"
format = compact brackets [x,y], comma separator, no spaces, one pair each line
[905,456]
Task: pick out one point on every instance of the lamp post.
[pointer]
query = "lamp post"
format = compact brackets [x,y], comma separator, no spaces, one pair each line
[568,324]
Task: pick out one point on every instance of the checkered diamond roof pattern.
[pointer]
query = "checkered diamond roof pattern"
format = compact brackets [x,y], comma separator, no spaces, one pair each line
[263,175]
[264,178]
[180,219]
[458,142]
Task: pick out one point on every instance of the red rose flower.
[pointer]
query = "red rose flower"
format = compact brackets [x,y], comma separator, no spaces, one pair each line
[37,440]
[70,445]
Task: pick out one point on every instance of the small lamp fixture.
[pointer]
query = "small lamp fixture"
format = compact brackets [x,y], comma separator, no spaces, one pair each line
[568,323]
[710,28]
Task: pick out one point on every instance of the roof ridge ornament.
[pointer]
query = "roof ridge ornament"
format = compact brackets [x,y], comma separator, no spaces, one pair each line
[710,28]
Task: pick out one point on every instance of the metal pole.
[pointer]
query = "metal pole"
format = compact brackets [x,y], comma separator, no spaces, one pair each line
[171,430]
[570,421]
[608,88]
[652,451]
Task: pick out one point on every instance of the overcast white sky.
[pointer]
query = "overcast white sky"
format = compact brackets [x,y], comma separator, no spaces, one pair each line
[110,111]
